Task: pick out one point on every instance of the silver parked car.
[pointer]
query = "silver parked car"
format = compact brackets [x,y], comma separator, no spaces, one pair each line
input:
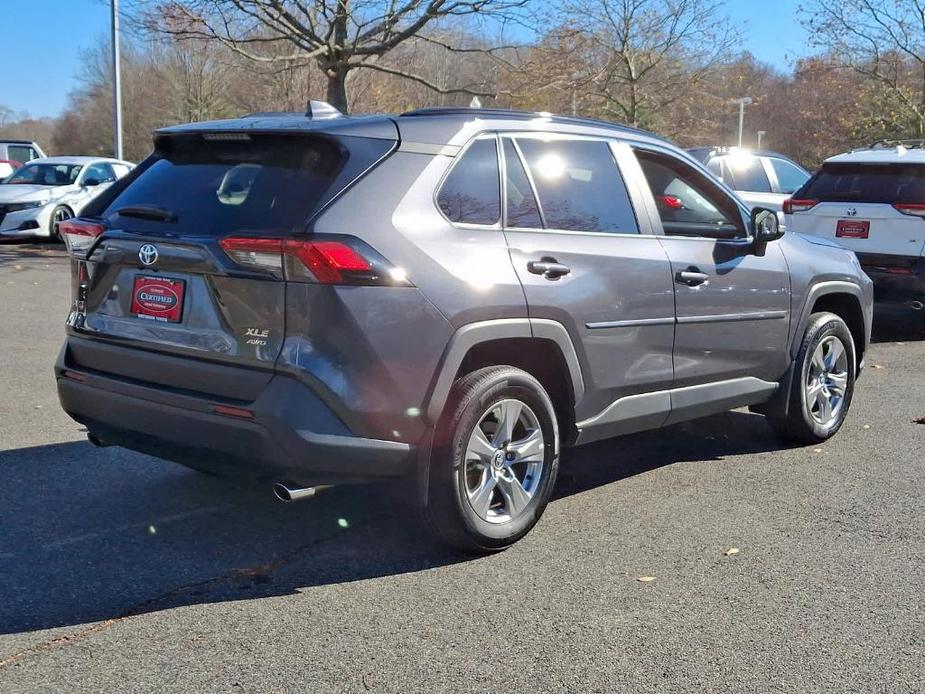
[44,192]
[449,296]
[761,178]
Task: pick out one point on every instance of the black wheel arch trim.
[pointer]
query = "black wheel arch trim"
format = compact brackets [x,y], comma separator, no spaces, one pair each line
[473,334]
[813,294]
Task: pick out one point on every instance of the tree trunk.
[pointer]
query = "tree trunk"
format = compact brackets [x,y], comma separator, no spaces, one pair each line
[337,88]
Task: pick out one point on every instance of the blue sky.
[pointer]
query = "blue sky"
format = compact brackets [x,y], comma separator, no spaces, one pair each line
[40,70]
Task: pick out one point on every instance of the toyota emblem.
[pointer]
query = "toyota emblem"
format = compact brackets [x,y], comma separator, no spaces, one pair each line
[852,212]
[147,254]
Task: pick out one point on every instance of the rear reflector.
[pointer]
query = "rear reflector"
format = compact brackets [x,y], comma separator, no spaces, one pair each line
[912,209]
[791,205]
[230,411]
[79,234]
[74,376]
[329,261]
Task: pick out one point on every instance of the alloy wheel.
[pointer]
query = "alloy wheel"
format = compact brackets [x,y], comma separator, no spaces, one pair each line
[504,461]
[827,381]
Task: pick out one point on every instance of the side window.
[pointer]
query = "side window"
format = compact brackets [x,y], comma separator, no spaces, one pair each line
[33,154]
[120,170]
[522,209]
[20,153]
[101,172]
[471,193]
[790,178]
[688,202]
[579,186]
[715,167]
[746,173]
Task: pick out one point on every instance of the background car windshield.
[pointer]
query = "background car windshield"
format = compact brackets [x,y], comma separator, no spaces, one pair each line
[746,173]
[46,174]
[884,183]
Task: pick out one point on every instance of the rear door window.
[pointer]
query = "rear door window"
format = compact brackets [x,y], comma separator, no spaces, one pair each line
[746,173]
[789,176]
[471,193]
[217,184]
[579,185]
[879,183]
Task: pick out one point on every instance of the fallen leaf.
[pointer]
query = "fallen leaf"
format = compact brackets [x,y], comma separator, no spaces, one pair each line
[876,366]
[817,450]
[919,420]
[731,551]
[866,426]
[646,579]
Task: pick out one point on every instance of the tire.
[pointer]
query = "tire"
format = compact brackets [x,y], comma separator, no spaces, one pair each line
[470,470]
[806,420]
[59,214]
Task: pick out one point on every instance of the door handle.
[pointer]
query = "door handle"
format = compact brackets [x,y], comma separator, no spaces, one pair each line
[691,277]
[548,268]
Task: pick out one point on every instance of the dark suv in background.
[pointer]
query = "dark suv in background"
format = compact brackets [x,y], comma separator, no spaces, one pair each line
[450,296]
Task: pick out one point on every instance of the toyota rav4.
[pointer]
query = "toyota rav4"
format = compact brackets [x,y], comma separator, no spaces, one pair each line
[449,296]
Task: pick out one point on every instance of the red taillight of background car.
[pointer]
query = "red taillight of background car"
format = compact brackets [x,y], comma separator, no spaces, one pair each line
[672,201]
[914,209]
[79,235]
[792,205]
[329,261]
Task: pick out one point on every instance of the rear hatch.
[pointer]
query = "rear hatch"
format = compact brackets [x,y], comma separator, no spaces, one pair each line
[154,269]
[867,208]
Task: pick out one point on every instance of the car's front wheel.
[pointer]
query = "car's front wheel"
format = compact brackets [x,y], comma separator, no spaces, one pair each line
[823,382]
[58,215]
[495,462]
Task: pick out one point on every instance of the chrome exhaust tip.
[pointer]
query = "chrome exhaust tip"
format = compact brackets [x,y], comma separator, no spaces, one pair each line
[287,494]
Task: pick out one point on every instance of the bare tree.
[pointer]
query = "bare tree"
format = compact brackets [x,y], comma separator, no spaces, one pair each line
[642,55]
[339,36]
[882,40]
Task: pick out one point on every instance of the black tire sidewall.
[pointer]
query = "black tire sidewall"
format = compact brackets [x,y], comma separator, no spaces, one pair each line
[53,234]
[822,327]
[503,384]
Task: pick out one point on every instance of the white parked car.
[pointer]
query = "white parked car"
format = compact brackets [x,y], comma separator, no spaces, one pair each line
[44,192]
[872,201]
[761,178]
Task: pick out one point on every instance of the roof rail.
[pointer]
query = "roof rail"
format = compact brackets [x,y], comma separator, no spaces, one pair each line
[908,143]
[467,111]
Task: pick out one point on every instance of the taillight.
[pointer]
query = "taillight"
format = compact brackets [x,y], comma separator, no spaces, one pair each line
[914,209]
[79,235]
[792,205]
[345,260]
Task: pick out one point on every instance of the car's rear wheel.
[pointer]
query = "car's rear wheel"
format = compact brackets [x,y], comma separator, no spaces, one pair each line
[58,215]
[822,384]
[496,459]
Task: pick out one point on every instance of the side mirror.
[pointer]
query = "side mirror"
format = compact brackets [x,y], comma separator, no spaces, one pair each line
[91,182]
[765,227]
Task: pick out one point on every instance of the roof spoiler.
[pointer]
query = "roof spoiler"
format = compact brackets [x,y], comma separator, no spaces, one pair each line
[321,110]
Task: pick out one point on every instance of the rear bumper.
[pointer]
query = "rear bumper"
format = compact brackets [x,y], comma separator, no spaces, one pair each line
[896,278]
[292,436]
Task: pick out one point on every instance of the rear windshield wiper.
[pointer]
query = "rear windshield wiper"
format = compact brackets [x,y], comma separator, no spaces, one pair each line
[148,212]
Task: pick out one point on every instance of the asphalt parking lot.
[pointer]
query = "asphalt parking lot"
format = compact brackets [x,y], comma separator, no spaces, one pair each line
[120,572]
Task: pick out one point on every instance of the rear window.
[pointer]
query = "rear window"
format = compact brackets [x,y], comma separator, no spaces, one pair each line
[884,183]
[471,193]
[225,183]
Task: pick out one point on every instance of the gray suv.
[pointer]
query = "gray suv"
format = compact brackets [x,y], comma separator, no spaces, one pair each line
[449,296]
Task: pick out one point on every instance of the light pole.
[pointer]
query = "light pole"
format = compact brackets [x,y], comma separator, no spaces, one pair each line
[761,133]
[116,83]
[742,102]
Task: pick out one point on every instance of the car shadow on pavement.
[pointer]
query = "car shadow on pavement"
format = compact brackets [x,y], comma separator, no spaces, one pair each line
[897,323]
[91,534]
